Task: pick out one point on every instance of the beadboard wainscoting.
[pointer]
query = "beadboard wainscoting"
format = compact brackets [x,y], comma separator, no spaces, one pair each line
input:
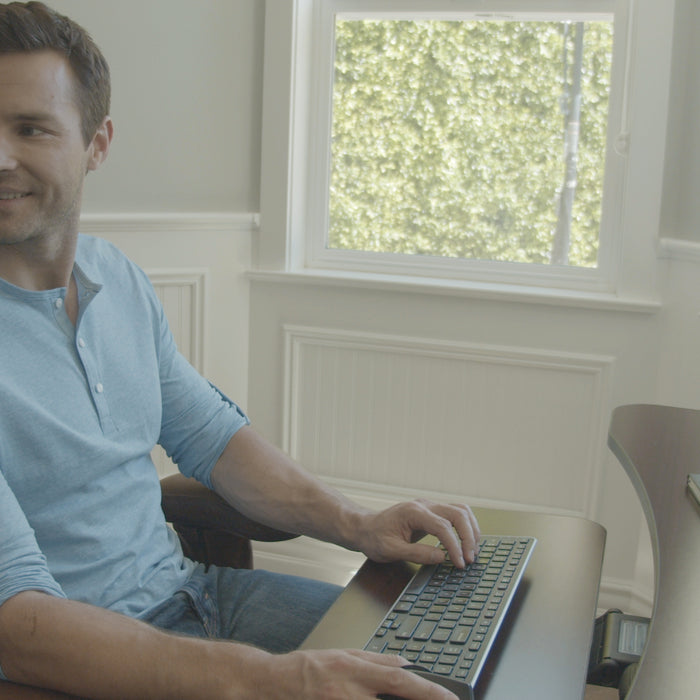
[450,418]
[387,418]
[182,294]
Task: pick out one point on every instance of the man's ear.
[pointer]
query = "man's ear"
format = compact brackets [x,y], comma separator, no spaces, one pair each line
[99,146]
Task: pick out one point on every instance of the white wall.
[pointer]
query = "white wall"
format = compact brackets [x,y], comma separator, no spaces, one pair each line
[186,102]
[177,193]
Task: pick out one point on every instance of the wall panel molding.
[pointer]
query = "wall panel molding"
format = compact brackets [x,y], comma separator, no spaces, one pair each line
[679,249]
[182,292]
[169,222]
[506,426]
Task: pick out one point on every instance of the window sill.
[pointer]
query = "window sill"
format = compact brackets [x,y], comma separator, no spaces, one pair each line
[449,287]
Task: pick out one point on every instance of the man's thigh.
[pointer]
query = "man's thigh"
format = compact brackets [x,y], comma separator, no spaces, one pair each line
[271,611]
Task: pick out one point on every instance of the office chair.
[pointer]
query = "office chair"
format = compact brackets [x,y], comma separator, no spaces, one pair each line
[211,532]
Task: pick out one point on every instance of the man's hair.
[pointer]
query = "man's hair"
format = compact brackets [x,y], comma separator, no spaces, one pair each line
[32,26]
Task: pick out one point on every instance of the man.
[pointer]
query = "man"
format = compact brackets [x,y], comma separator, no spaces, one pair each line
[96,598]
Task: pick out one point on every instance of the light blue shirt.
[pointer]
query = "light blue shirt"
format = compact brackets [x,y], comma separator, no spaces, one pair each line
[80,411]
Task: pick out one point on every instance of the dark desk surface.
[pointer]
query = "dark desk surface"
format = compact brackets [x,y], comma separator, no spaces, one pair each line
[658,446]
[542,651]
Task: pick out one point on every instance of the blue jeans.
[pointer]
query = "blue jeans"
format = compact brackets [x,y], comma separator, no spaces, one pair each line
[271,611]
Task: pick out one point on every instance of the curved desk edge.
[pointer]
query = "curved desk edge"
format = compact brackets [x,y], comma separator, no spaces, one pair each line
[658,446]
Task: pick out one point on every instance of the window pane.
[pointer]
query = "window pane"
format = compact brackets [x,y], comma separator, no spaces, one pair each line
[482,140]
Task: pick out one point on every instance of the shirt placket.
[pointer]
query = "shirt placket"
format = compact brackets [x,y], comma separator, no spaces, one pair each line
[84,348]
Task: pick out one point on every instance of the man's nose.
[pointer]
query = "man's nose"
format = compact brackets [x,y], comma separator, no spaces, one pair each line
[8,158]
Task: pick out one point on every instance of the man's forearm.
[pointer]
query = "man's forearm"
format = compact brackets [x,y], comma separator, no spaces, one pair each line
[269,486]
[84,650]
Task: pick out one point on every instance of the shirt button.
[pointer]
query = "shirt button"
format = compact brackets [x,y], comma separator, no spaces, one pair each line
[81,343]
[99,388]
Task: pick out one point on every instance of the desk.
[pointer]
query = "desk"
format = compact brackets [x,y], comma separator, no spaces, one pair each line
[658,446]
[542,650]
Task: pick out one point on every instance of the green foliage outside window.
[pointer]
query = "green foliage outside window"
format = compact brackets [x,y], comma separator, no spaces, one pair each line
[449,138]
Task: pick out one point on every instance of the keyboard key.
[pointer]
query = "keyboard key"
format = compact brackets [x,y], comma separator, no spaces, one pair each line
[441,635]
[424,631]
[407,627]
[376,645]
[451,650]
[443,669]
[460,635]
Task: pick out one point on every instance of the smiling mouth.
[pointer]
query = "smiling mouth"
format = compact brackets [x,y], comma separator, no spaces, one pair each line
[13,195]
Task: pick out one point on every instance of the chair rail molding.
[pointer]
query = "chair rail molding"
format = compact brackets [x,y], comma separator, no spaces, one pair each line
[168,222]
[679,249]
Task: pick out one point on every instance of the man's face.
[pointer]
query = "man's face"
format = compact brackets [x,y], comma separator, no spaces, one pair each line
[43,157]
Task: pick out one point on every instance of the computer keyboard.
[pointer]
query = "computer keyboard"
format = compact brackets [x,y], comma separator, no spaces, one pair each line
[446,619]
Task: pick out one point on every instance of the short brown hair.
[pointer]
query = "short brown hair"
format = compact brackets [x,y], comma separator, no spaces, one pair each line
[32,26]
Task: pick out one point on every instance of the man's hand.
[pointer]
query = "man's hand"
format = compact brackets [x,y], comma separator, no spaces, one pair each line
[392,534]
[355,675]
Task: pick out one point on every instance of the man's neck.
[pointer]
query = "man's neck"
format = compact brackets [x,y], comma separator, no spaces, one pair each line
[38,264]
[41,267]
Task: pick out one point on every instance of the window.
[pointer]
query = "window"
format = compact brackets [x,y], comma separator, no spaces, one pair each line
[463,143]
[491,129]
[474,139]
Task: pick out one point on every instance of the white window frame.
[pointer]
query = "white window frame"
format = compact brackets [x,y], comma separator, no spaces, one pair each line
[296,145]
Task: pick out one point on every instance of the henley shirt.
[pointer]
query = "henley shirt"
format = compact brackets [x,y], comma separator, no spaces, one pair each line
[80,410]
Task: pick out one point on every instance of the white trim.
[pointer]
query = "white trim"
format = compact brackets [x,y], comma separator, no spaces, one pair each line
[168,222]
[456,8]
[626,596]
[378,497]
[603,278]
[677,249]
[468,289]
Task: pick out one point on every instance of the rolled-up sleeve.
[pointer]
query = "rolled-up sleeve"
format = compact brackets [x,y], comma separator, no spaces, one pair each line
[198,420]
[22,565]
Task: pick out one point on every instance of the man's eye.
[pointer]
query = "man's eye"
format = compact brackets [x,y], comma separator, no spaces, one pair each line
[29,130]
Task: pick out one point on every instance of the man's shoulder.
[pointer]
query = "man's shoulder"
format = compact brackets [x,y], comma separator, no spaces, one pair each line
[102,261]
[92,249]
